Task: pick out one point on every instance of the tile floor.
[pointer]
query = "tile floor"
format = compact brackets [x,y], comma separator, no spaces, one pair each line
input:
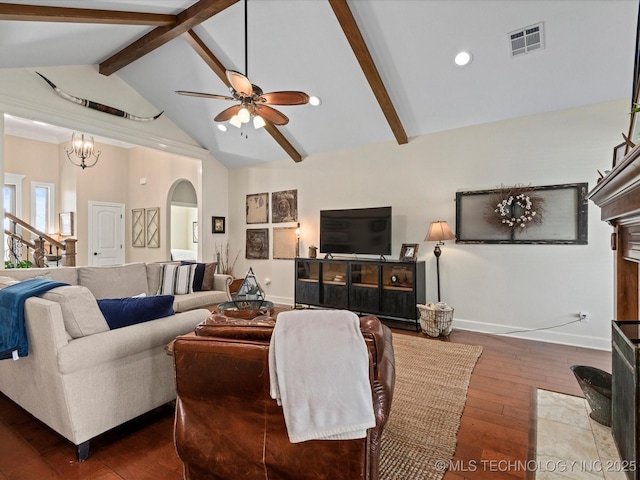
[570,444]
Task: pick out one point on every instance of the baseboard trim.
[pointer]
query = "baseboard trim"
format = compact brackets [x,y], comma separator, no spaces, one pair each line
[561,338]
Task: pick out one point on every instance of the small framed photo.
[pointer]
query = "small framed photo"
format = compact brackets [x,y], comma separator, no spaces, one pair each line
[409,252]
[195,232]
[618,153]
[217,225]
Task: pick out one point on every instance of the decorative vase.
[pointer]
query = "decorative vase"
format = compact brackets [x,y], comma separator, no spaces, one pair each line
[312,252]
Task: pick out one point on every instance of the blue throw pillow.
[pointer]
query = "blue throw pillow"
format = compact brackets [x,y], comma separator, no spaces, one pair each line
[122,312]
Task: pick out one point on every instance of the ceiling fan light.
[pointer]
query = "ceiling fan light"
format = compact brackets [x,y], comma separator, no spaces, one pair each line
[235,121]
[258,122]
[243,115]
[315,101]
[462,58]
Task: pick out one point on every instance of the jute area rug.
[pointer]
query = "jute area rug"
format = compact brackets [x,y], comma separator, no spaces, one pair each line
[432,379]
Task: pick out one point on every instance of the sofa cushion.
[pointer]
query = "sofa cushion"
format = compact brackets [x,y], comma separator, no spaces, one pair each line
[60,274]
[122,312]
[114,281]
[80,311]
[6,281]
[203,276]
[176,279]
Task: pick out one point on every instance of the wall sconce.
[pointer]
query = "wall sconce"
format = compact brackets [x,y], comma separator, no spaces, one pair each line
[439,232]
[82,146]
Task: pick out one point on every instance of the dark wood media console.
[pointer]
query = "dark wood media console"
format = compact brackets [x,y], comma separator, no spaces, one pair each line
[389,290]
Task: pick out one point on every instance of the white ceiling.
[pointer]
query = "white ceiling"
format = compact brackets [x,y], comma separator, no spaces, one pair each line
[299,45]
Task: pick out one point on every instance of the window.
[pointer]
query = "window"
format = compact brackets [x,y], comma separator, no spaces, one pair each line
[12,196]
[42,206]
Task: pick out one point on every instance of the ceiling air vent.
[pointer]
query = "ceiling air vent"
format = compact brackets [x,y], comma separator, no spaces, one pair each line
[527,39]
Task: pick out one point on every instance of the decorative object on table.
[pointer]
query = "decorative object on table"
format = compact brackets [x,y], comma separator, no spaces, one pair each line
[137,227]
[253,103]
[195,232]
[313,251]
[438,232]
[97,106]
[409,252]
[284,206]
[225,265]
[285,243]
[618,154]
[217,224]
[257,244]
[83,147]
[596,385]
[258,208]
[514,209]
[436,319]
[249,300]
[497,216]
[67,224]
[152,226]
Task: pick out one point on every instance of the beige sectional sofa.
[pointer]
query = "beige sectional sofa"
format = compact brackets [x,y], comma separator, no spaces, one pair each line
[82,379]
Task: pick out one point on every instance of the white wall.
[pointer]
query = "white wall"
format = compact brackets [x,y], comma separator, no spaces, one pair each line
[493,288]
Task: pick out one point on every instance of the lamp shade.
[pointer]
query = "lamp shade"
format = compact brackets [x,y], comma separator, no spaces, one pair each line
[439,231]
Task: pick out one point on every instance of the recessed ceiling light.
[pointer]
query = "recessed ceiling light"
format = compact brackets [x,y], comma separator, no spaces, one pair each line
[462,58]
[222,127]
[315,101]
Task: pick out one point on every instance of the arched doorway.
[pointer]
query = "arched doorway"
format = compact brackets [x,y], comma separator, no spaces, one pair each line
[184,222]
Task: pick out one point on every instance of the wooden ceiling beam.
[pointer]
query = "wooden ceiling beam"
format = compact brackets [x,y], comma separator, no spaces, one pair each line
[207,55]
[37,13]
[185,20]
[219,69]
[359,47]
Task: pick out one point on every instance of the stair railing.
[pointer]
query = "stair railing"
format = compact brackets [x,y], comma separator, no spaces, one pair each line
[64,249]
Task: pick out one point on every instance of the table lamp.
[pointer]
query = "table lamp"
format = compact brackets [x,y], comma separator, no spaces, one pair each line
[439,232]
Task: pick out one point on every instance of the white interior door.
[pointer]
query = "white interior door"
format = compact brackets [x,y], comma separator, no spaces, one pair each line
[106,233]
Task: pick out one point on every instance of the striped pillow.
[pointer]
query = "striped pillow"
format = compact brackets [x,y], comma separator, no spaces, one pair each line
[176,279]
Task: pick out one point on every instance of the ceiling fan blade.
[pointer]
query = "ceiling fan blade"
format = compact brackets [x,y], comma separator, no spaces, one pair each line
[285,98]
[227,113]
[240,83]
[271,115]
[204,95]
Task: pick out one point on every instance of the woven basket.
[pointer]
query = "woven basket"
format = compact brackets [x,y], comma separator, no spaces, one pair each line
[435,321]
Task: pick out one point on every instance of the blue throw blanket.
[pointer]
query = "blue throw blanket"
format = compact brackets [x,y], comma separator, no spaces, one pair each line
[13,331]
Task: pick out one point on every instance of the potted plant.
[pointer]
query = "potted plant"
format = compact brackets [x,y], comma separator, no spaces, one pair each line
[313,250]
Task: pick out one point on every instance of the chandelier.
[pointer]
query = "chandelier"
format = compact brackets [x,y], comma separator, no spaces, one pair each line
[82,146]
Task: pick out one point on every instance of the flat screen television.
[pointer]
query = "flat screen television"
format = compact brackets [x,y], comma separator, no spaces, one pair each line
[365,231]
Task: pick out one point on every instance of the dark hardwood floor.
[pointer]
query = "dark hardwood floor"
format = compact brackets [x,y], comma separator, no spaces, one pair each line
[493,434]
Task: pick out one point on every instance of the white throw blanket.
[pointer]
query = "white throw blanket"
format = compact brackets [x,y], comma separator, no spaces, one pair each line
[319,373]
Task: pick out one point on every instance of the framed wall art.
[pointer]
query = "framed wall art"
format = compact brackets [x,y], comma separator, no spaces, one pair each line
[137,227]
[66,224]
[217,224]
[257,244]
[258,208]
[284,206]
[551,214]
[152,226]
[284,243]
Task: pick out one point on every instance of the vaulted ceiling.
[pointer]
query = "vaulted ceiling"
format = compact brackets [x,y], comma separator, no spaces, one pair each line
[383,69]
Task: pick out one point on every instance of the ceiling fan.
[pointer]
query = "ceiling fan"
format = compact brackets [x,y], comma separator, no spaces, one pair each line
[253,102]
